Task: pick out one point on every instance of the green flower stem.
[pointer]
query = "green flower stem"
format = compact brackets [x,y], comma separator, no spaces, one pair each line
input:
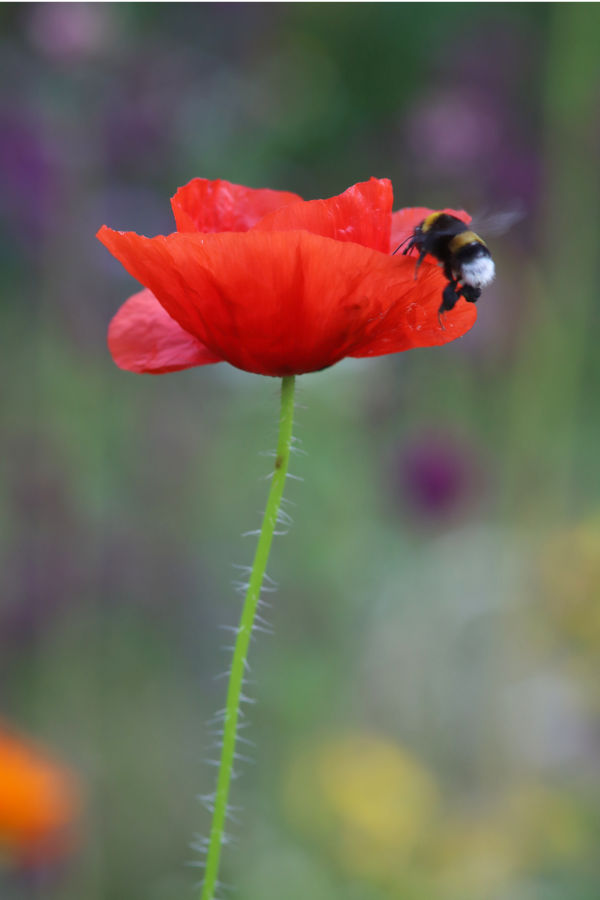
[244,633]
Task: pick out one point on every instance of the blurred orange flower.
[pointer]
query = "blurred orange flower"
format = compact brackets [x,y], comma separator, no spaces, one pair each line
[39,802]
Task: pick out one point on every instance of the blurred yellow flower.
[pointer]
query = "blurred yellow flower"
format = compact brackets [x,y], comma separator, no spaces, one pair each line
[570,582]
[364,797]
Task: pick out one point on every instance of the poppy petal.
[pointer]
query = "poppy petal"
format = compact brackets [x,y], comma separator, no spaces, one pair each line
[404,221]
[275,303]
[203,205]
[413,319]
[143,337]
[361,214]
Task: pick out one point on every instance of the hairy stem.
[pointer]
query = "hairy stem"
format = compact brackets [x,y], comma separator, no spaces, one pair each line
[244,633]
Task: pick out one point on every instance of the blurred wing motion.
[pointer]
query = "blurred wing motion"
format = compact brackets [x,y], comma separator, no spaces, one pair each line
[496,224]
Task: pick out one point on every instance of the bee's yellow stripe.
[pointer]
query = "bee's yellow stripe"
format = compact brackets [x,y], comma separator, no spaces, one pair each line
[464,238]
[430,221]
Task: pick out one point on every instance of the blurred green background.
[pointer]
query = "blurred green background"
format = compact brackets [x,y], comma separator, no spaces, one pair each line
[428,715]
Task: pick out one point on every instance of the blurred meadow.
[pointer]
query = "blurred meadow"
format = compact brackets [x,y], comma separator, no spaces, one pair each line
[428,715]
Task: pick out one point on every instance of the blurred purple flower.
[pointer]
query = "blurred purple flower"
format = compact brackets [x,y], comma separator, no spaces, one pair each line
[436,475]
[474,128]
[516,176]
[27,175]
[454,129]
[70,32]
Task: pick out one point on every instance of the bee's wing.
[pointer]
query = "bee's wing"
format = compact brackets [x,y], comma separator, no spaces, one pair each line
[496,224]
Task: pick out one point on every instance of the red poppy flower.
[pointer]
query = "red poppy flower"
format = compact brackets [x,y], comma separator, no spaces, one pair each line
[39,802]
[277,285]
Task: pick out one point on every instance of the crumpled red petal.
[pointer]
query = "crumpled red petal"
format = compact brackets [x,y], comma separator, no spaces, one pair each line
[142,337]
[361,214]
[203,205]
[413,320]
[404,221]
[282,303]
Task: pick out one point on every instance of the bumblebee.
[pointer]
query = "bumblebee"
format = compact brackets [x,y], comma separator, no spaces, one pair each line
[467,262]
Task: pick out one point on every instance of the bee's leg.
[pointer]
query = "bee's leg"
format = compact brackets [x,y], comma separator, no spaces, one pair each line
[449,297]
[449,300]
[422,256]
[471,294]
